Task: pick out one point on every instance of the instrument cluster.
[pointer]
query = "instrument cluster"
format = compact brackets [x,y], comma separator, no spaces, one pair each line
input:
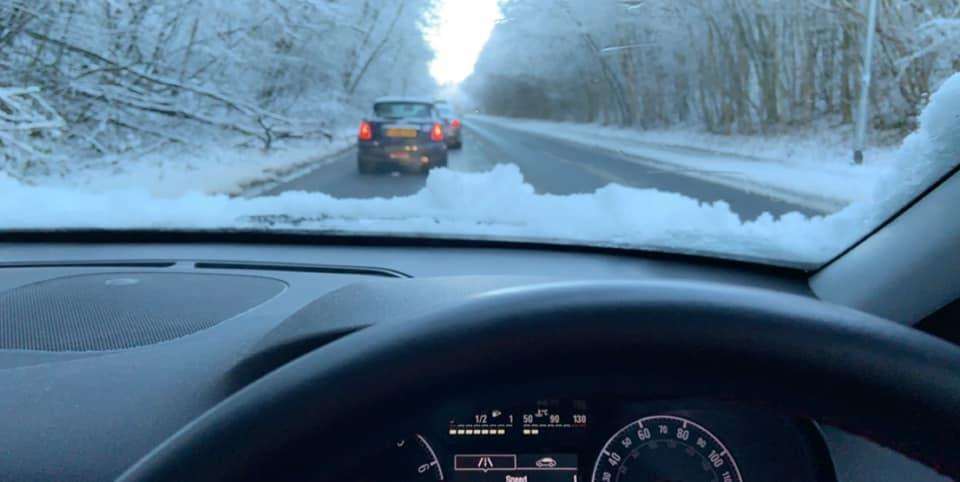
[559,440]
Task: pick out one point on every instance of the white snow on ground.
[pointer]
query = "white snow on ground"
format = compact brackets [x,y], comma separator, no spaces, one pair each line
[811,170]
[179,169]
[499,203]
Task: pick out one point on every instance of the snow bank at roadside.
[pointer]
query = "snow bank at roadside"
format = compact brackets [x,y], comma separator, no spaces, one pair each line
[822,144]
[812,169]
[499,203]
[180,169]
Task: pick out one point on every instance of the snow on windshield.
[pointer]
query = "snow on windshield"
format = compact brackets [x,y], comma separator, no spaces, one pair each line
[746,129]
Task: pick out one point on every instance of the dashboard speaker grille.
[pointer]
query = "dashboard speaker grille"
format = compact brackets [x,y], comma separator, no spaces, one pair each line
[111,311]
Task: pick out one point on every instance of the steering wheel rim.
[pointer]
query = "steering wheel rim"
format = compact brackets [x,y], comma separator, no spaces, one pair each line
[869,376]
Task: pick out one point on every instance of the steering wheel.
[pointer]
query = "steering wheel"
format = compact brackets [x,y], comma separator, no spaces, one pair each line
[869,376]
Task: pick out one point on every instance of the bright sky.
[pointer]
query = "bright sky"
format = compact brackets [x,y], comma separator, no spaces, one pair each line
[462,29]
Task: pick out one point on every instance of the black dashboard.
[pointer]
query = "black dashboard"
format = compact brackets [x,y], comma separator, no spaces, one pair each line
[90,403]
[575,440]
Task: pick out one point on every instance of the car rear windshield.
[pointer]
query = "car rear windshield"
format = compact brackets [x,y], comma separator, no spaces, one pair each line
[396,110]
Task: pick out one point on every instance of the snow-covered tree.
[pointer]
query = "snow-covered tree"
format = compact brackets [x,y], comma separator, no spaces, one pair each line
[729,65]
[125,75]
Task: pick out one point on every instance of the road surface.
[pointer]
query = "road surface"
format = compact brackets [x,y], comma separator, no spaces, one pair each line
[551,166]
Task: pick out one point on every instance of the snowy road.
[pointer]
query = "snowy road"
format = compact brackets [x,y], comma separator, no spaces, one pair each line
[551,166]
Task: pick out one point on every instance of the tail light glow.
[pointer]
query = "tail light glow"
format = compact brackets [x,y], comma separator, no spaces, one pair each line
[436,134]
[456,123]
[366,131]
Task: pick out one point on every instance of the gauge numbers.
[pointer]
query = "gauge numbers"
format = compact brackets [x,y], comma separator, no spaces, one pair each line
[665,448]
[416,461]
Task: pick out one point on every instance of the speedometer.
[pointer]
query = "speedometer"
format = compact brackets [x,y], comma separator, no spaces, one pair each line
[665,448]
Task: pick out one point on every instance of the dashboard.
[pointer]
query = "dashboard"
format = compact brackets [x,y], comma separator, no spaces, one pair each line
[97,404]
[573,440]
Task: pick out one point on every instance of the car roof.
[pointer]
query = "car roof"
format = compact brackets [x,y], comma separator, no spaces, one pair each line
[411,100]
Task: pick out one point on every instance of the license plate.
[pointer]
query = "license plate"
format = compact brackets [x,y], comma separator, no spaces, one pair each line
[402,133]
[400,155]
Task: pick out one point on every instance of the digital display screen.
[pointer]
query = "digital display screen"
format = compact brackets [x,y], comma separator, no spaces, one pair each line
[532,442]
[547,416]
[501,467]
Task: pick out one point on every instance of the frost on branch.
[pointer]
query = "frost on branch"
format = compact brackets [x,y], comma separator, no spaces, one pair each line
[727,66]
[24,114]
[130,77]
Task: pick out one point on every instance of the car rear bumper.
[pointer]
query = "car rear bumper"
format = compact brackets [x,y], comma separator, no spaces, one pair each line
[403,156]
[453,136]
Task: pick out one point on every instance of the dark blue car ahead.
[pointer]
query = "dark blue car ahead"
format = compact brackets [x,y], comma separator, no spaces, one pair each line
[404,134]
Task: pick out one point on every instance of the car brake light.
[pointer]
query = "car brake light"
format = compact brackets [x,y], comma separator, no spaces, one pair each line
[366,131]
[436,134]
[456,123]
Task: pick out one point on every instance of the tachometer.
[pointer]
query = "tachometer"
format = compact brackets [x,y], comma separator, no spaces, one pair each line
[415,460]
[665,448]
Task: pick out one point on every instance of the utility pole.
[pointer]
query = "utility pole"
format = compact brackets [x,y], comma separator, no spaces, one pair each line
[863,112]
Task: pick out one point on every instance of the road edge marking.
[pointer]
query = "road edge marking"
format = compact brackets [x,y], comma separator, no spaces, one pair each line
[823,204]
[260,187]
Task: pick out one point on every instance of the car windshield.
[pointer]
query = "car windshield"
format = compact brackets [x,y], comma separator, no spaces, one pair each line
[396,110]
[776,131]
